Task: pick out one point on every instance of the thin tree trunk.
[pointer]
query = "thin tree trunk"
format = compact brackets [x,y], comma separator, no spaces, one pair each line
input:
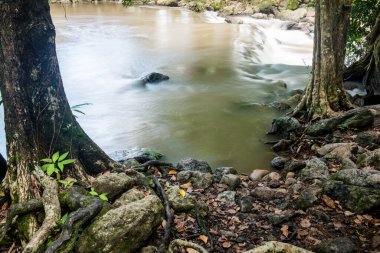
[324,94]
[38,118]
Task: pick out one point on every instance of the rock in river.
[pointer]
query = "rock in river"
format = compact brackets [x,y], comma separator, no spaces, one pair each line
[154,78]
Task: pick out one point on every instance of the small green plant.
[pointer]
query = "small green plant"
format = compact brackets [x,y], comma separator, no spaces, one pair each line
[56,164]
[102,196]
[76,108]
[66,183]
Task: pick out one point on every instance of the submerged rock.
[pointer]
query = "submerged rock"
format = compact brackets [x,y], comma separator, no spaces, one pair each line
[124,229]
[155,77]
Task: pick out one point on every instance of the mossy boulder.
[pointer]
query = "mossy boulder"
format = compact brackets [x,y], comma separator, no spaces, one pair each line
[113,184]
[315,169]
[124,229]
[356,189]
[178,202]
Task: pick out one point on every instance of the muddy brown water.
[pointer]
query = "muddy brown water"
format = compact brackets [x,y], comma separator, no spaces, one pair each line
[218,72]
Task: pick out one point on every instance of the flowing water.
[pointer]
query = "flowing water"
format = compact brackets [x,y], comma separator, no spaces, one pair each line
[217,72]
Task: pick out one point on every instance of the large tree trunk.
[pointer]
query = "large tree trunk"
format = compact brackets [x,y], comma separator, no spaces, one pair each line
[367,68]
[324,94]
[38,118]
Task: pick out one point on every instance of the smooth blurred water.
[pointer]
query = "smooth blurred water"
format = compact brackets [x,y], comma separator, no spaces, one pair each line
[214,69]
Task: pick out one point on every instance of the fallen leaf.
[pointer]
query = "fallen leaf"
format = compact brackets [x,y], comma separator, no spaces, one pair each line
[328,201]
[357,221]
[348,213]
[163,223]
[190,250]
[285,230]
[305,223]
[368,217]
[182,193]
[187,185]
[172,172]
[226,244]
[203,238]
[303,232]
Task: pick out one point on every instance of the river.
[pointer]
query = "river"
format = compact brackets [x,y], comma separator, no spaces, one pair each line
[216,69]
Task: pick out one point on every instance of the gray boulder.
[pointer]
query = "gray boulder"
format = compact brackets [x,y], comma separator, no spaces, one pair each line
[113,184]
[128,197]
[279,162]
[356,189]
[221,171]
[257,175]
[308,197]
[315,169]
[284,125]
[191,164]
[196,178]
[368,138]
[179,203]
[266,193]
[370,158]
[337,245]
[124,229]
[231,180]
[227,196]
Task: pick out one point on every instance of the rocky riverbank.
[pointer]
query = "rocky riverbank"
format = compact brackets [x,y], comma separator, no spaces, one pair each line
[322,193]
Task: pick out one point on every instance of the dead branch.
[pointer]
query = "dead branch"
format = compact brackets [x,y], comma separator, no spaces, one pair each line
[52,211]
[169,218]
[87,207]
[186,244]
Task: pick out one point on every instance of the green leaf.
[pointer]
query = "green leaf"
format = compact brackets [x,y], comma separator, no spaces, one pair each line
[68,161]
[103,196]
[93,192]
[63,218]
[64,182]
[47,160]
[51,169]
[55,156]
[46,166]
[63,156]
[60,166]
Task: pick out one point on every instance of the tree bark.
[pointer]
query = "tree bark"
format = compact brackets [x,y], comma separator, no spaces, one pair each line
[324,94]
[38,118]
[367,68]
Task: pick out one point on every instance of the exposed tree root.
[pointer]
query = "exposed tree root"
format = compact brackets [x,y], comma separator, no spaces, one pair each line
[204,230]
[169,219]
[20,209]
[87,207]
[52,211]
[146,165]
[185,244]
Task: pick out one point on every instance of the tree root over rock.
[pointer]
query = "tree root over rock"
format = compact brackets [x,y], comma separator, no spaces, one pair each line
[185,244]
